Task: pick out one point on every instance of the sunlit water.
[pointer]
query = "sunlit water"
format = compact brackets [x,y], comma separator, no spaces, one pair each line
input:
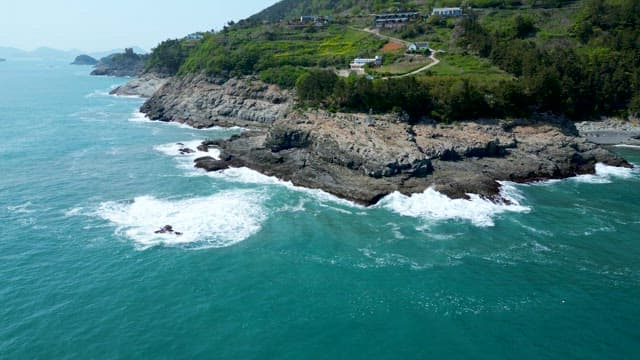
[268,270]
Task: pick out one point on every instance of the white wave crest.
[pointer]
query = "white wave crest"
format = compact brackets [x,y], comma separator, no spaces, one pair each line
[141,117]
[183,150]
[216,221]
[248,176]
[605,174]
[628,146]
[434,206]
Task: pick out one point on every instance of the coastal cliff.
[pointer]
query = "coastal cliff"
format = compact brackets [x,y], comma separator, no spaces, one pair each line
[203,102]
[364,157]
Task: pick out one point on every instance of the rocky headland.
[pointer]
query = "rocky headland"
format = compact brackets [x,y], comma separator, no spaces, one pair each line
[203,102]
[123,64]
[84,60]
[144,86]
[364,157]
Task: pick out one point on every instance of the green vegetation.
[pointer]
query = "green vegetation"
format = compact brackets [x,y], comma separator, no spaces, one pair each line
[260,49]
[468,65]
[125,59]
[168,56]
[504,58]
[287,9]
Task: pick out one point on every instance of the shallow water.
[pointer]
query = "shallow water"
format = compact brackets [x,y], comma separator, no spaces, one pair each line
[269,270]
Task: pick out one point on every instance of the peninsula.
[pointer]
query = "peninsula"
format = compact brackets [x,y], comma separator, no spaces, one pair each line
[363,105]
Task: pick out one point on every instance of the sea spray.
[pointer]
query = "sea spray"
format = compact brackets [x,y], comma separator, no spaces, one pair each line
[215,221]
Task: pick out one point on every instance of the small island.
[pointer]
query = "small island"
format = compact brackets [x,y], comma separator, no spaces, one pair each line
[2,60]
[84,60]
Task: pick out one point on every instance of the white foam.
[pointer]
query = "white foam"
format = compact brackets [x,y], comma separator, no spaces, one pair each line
[97,93]
[127,96]
[249,176]
[21,209]
[140,117]
[434,206]
[174,150]
[216,221]
[605,174]
[628,146]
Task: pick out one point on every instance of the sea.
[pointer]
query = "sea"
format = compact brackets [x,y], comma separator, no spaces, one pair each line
[267,270]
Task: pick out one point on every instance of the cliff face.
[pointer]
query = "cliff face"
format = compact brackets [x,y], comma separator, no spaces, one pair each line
[362,157]
[202,102]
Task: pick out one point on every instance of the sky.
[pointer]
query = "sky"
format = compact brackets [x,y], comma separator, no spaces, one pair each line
[109,24]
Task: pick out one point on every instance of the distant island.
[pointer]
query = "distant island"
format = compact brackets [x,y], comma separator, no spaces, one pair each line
[1,59]
[84,60]
[408,98]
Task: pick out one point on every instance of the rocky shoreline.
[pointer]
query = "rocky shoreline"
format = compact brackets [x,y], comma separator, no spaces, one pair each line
[611,131]
[363,157]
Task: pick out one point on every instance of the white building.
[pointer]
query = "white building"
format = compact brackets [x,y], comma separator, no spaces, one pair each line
[358,64]
[447,12]
[194,37]
[418,47]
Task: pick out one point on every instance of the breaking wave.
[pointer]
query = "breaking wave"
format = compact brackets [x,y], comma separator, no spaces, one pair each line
[434,206]
[216,221]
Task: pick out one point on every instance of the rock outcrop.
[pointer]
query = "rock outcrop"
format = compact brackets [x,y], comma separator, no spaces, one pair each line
[365,157]
[84,60]
[144,86]
[611,131]
[203,102]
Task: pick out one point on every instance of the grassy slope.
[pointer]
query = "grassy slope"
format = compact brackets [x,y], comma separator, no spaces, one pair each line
[252,47]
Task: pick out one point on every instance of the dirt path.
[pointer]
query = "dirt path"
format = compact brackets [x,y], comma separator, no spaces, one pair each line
[435,61]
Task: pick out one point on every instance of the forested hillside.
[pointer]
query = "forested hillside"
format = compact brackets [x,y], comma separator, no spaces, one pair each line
[291,8]
[580,59]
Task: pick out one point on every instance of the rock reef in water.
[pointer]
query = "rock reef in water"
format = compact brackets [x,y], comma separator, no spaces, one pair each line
[84,60]
[362,157]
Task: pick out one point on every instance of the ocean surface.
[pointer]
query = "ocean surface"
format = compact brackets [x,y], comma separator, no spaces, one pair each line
[266,270]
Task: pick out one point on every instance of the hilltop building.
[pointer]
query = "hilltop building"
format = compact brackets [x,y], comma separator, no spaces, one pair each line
[447,12]
[194,37]
[395,19]
[358,64]
[314,20]
[418,47]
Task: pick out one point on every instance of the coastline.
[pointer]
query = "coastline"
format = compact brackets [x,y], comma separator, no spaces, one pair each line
[361,157]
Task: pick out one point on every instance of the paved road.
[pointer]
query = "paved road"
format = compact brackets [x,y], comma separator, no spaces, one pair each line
[433,58]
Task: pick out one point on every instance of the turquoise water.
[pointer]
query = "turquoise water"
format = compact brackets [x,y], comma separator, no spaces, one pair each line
[267,270]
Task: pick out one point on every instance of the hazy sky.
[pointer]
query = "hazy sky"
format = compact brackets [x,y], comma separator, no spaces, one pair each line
[106,24]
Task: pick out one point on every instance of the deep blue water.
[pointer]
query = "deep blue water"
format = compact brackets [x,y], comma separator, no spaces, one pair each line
[267,270]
